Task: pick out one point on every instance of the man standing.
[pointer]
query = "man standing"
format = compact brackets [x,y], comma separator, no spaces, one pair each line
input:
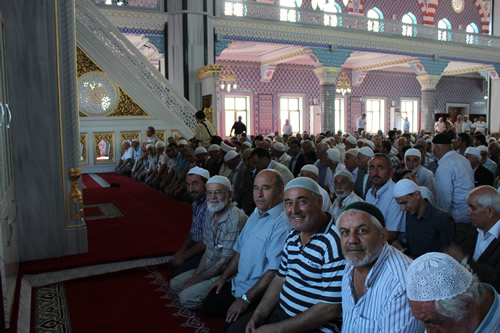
[481,247]
[424,176]
[189,255]
[380,195]
[151,137]
[446,297]
[458,125]
[258,252]
[461,143]
[305,294]
[428,229]
[439,126]
[287,128]
[204,130]
[223,225]
[467,125]
[374,281]
[453,180]
[238,127]
[361,123]
[343,184]
[480,126]
[406,126]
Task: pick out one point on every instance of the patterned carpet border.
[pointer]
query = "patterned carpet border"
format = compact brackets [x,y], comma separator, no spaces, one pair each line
[108,210]
[51,311]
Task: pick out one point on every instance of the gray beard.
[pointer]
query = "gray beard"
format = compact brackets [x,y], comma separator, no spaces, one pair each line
[369,258]
[215,208]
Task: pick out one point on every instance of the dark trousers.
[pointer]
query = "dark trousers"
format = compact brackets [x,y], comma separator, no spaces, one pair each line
[216,305]
[189,264]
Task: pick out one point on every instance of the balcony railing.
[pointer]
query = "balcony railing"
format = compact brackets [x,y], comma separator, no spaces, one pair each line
[257,11]
[155,5]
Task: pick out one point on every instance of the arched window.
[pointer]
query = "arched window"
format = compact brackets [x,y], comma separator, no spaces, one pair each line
[444,25]
[374,24]
[409,20]
[472,31]
[290,14]
[235,9]
[332,20]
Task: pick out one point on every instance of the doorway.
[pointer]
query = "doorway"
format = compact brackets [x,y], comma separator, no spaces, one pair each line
[455,109]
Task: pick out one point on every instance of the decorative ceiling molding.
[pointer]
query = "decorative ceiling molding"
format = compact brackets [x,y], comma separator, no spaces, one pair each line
[465,70]
[280,57]
[242,30]
[384,64]
[136,20]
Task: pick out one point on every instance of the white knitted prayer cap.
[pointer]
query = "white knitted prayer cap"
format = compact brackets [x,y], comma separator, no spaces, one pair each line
[333,154]
[371,144]
[303,182]
[404,187]
[213,147]
[248,144]
[230,155]
[473,151]
[367,151]
[482,148]
[352,140]
[160,144]
[345,173]
[413,152]
[278,146]
[220,180]
[200,150]
[199,171]
[310,168]
[436,276]
[225,147]
[182,142]
[352,151]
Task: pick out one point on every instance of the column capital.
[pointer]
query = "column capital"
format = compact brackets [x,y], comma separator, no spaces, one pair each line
[428,82]
[209,71]
[327,75]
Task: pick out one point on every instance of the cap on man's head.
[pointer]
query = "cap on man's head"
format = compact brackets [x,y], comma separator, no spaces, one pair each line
[310,168]
[352,140]
[483,148]
[200,150]
[230,155]
[213,147]
[278,146]
[220,180]
[404,187]
[225,147]
[441,139]
[135,140]
[303,182]
[345,173]
[367,208]
[333,154]
[367,151]
[199,171]
[413,152]
[160,144]
[371,144]
[246,143]
[182,142]
[353,152]
[436,276]
[473,151]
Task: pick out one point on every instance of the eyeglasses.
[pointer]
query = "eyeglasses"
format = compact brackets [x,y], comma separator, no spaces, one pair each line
[216,192]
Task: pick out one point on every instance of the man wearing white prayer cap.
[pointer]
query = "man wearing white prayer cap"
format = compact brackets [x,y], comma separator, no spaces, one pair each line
[482,176]
[233,162]
[226,148]
[343,184]
[216,159]
[424,176]
[363,182]
[486,161]
[305,295]
[223,225]
[448,298]
[311,171]
[334,166]
[350,142]
[374,282]
[279,155]
[428,228]
[350,162]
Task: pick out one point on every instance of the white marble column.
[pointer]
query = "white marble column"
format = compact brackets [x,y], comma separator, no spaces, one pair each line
[328,82]
[428,100]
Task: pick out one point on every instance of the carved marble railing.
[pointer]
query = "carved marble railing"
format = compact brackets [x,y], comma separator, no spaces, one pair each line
[155,5]
[304,16]
[95,21]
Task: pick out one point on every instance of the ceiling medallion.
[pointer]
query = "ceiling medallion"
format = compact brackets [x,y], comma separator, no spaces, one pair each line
[458,6]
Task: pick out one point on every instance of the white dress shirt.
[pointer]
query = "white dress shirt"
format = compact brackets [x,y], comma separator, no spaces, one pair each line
[383,200]
[339,204]
[483,241]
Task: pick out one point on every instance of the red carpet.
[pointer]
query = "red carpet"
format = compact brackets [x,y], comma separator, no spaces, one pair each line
[137,300]
[88,182]
[152,225]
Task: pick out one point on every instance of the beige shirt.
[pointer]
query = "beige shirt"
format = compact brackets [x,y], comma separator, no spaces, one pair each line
[201,134]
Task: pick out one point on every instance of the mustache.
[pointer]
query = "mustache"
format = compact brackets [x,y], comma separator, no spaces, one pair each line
[355,248]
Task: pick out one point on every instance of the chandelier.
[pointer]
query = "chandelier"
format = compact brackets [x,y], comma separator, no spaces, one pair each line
[343,84]
[227,79]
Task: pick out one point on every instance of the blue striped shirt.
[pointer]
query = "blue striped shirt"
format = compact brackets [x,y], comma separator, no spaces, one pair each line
[200,212]
[313,272]
[384,307]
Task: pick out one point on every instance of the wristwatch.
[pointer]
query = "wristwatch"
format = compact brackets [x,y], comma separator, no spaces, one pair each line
[245,298]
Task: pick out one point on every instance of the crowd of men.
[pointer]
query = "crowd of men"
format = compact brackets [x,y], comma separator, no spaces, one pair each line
[334,232]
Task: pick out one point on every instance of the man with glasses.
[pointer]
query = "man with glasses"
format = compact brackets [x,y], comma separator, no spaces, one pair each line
[223,225]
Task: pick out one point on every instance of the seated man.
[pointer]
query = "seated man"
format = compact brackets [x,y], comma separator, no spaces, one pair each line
[481,246]
[223,225]
[312,172]
[374,281]
[305,294]
[482,176]
[424,176]
[343,183]
[189,255]
[258,252]
[428,228]
[446,297]
[127,156]
[262,160]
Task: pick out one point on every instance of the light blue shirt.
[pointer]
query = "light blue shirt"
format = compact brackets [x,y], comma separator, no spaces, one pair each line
[454,179]
[260,246]
[383,200]
[491,323]
[384,307]
[406,126]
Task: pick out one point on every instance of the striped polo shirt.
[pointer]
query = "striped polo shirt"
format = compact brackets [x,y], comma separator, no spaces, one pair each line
[312,273]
